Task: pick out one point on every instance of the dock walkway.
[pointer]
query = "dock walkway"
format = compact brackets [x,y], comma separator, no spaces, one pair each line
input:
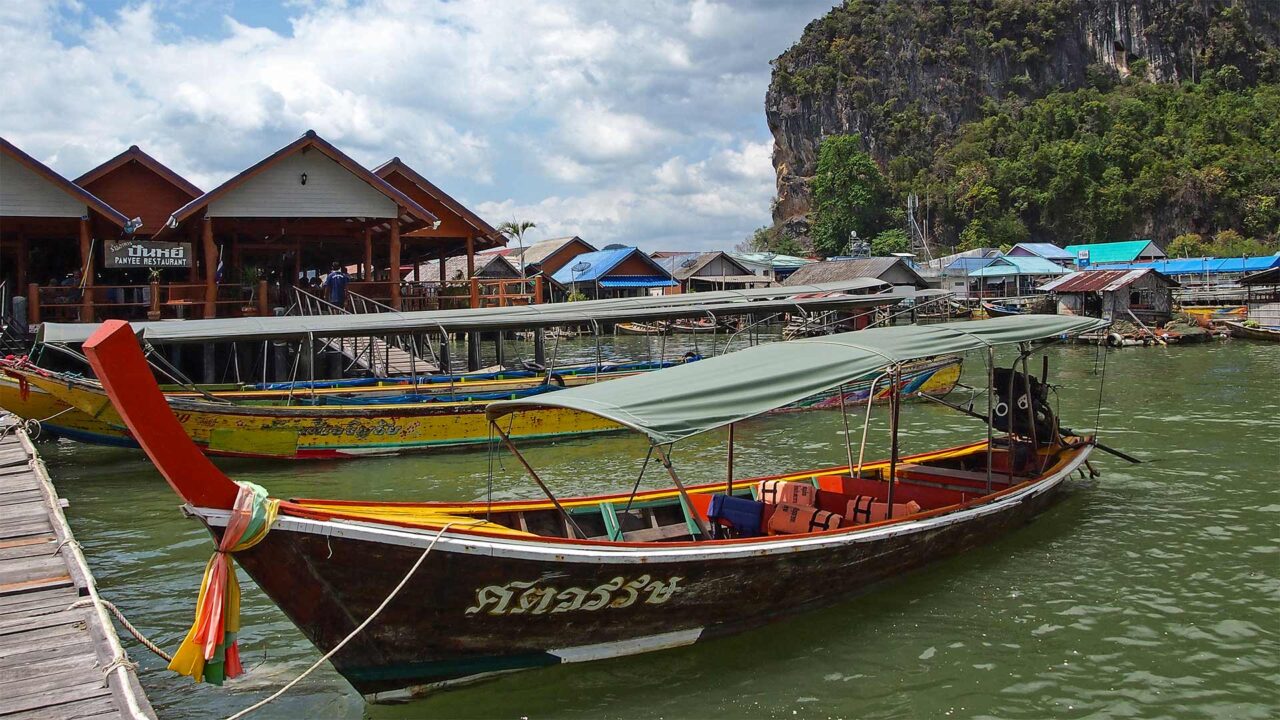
[55,661]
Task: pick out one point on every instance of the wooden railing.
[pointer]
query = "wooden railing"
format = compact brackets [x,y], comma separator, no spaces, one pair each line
[155,301]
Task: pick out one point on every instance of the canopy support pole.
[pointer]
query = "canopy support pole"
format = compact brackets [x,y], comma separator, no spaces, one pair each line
[728,485]
[569,521]
[684,495]
[895,404]
[991,413]
[866,422]
[848,446]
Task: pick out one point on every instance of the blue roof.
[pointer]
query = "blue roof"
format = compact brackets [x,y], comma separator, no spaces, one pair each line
[969,263]
[1049,251]
[592,266]
[1019,265]
[1207,265]
[637,281]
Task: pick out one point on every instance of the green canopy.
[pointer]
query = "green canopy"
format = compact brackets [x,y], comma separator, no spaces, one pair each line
[848,294]
[675,403]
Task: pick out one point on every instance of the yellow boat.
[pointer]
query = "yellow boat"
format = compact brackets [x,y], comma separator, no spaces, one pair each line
[57,418]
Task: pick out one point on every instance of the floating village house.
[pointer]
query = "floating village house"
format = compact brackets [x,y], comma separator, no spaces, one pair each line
[1008,277]
[1048,251]
[698,272]
[50,231]
[546,257]
[613,272]
[240,249]
[1128,251]
[771,265]
[1144,294]
[1263,299]
[893,270]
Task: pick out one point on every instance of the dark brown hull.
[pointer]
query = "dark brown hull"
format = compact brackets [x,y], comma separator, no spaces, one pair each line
[465,614]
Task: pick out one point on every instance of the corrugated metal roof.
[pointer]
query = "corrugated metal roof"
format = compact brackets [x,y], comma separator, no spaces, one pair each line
[592,266]
[1114,252]
[1098,280]
[1009,266]
[1207,265]
[1045,250]
[832,270]
[637,281]
[968,263]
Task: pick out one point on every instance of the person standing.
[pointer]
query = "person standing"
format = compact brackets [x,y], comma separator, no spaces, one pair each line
[335,286]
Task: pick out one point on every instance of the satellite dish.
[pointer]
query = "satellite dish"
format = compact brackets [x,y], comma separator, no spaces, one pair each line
[581,267]
[689,262]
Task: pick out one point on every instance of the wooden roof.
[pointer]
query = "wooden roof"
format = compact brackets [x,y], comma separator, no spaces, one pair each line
[135,154]
[414,216]
[75,191]
[486,235]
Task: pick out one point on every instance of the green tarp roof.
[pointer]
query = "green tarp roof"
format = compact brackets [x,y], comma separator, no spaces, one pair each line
[675,403]
[857,292]
[1125,251]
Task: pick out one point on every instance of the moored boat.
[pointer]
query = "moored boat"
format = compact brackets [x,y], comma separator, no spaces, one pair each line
[403,596]
[994,310]
[1261,332]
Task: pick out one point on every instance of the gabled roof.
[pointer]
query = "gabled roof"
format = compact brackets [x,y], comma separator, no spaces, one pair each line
[309,139]
[1048,251]
[135,154]
[63,184]
[684,265]
[589,267]
[396,165]
[831,270]
[968,264]
[456,266]
[539,251]
[1125,251]
[1018,265]
[771,259]
[1101,280]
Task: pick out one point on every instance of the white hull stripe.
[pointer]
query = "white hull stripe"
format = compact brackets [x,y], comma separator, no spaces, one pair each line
[633,646]
[533,549]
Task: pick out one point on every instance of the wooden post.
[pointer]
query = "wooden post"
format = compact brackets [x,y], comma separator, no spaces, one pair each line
[210,268]
[86,266]
[471,256]
[728,485]
[417,269]
[444,276]
[395,259]
[23,253]
[475,293]
[33,304]
[262,297]
[368,254]
[537,289]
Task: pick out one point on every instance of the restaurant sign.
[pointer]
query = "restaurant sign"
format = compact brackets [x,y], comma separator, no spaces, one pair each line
[148,253]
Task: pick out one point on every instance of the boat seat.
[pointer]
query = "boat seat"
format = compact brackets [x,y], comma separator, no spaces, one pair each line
[928,472]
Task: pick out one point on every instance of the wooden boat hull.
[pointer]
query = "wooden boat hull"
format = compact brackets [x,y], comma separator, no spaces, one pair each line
[999,310]
[303,433]
[57,418]
[483,605]
[640,329]
[1240,330]
[337,431]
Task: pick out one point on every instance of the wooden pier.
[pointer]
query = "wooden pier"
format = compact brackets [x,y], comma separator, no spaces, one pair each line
[56,661]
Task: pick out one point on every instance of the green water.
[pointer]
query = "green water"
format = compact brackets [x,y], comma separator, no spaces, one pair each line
[1151,592]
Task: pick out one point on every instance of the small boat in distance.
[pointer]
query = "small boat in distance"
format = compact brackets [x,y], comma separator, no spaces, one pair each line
[406,596]
[995,311]
[1249,332]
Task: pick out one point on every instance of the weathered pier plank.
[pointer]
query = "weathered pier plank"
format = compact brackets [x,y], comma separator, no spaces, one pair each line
[56,660]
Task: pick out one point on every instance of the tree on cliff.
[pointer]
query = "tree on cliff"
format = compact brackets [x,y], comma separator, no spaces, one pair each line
[849,194]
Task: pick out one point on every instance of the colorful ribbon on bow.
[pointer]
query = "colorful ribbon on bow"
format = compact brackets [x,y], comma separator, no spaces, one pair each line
[210,653]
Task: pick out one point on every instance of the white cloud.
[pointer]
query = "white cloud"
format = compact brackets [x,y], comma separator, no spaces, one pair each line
[616,121]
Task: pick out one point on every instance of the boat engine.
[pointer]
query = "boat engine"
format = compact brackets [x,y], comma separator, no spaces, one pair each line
[1012,403]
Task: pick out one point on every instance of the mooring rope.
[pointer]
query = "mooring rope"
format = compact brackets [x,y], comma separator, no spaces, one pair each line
[377,611]
[137,634]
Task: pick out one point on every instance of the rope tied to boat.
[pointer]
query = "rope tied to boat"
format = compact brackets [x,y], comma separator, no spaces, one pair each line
[210,652]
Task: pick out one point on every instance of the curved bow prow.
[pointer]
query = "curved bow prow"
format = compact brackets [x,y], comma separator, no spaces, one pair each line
[117,358]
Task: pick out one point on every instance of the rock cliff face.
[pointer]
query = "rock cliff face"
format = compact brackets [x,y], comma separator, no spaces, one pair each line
[906,74]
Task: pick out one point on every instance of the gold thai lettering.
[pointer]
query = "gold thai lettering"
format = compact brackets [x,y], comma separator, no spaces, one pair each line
[522,597]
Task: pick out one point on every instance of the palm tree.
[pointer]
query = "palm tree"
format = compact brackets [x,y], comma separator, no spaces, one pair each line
[515,230]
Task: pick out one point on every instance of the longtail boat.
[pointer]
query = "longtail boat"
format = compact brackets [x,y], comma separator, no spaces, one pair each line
[301,429]
[994,311]
[406,596]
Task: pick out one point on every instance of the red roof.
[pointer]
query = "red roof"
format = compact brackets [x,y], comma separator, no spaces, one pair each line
[1099,280]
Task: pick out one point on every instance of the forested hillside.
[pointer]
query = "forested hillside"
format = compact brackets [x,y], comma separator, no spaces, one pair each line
[1058,120]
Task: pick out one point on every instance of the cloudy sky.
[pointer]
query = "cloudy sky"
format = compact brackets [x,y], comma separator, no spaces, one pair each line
[639,122]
